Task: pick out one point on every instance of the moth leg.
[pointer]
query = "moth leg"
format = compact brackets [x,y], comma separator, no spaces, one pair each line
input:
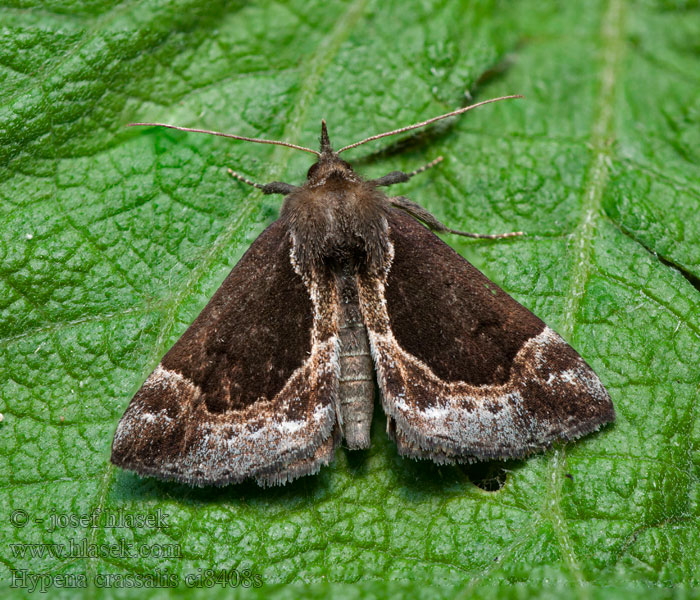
[419,213]
[276,187]
[400,176]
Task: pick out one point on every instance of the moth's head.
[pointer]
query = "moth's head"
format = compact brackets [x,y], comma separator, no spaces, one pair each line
[329,167]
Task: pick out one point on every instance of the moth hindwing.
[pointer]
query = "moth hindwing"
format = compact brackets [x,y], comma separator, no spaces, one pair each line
[280,365]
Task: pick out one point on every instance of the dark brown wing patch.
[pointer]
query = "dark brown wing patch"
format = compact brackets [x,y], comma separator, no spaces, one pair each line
[477,329]
[465,371]
[251,384]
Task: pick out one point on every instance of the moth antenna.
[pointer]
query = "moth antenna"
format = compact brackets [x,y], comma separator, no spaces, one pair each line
[226,135]
[454,113]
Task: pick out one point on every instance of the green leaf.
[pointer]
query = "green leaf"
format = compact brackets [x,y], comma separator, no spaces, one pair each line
[113,239]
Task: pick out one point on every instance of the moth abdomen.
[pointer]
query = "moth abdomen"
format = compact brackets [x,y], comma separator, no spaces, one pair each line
[356,383]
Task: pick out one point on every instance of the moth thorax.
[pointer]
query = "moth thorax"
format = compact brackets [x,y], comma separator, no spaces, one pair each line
[355,256]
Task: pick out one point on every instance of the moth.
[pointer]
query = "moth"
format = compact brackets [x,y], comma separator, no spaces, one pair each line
[347,283]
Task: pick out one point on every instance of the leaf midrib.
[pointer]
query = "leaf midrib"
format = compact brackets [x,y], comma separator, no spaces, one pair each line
[602,135]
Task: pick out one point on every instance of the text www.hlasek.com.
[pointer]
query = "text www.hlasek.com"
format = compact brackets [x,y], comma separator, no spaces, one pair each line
[84,549]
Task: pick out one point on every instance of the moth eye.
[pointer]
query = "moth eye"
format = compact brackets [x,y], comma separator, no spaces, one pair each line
[312,171]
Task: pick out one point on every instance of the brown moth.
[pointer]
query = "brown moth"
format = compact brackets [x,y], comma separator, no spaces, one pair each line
[280,366]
